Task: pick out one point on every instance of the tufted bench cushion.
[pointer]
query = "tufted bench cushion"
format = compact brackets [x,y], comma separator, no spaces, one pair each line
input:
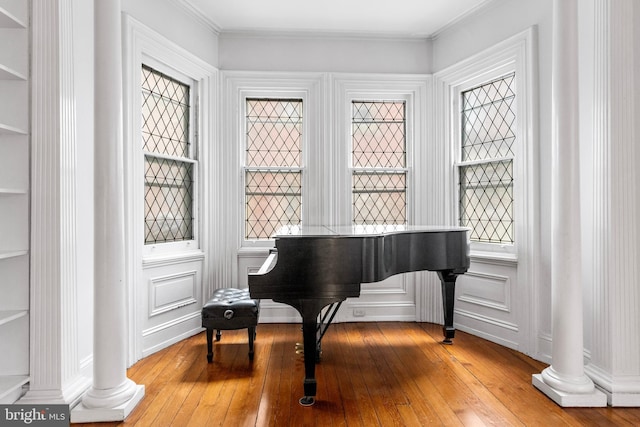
[230,308]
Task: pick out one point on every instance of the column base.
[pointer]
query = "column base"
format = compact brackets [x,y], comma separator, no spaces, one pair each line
[621,390]
[82,414]
[622,400]
[591,399]
[71,395]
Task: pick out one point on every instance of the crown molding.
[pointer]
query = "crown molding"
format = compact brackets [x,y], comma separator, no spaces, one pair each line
[198,15]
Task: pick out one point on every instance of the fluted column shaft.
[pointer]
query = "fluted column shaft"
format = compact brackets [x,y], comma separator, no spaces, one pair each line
[615,353]
[54,364]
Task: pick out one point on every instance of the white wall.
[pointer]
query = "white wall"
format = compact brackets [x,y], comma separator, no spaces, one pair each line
[247,52]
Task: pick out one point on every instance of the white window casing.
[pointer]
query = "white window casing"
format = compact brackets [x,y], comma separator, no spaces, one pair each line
[238,87]
[514,55]
[349,88]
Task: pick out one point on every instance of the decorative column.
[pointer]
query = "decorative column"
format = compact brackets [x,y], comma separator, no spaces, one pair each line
[54,366]
[565,381]
[113,396]
[615,353]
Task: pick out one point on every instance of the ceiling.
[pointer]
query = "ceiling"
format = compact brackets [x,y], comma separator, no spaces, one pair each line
[391,18]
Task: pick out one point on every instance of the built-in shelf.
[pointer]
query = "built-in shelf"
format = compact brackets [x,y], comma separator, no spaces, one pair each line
[11,387]
[11,130]
[14,207]
[7,316]
[7,73]
[12,191]
[10,20]
[12,254]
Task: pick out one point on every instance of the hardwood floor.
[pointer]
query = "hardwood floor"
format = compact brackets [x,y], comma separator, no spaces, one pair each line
[386,374]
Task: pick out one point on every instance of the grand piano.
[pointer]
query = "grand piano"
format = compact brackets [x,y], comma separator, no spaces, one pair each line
[315,268]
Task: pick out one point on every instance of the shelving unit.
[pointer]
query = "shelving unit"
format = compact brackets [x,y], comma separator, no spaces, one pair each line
[14,198]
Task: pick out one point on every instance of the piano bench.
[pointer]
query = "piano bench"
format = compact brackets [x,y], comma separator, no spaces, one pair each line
[230,308]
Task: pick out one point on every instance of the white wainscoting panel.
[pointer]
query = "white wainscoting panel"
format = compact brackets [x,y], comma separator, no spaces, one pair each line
[173,296]
[485,298]
[173,291]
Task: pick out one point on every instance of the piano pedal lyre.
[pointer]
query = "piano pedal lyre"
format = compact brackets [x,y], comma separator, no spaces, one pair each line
[300,350]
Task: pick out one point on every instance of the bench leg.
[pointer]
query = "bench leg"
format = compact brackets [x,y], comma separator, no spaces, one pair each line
[209,345]
[251,330]
[218,333]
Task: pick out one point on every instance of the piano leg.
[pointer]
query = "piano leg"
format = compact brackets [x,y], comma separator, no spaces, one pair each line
[310,309]
[448,282]
[309,330]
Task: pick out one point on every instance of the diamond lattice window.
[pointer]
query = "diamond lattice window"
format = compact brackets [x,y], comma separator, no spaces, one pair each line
[379,176]
[169,162]
[488,123]
[273,176]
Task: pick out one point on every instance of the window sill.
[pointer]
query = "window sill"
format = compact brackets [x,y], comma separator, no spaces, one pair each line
[172,258]
[254,252]
[494,257]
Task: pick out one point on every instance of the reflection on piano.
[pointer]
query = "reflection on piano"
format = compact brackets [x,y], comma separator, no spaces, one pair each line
[317,267]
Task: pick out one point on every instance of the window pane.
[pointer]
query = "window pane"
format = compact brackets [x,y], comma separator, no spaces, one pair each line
[168,185]
[168,200]
[273,199]
[274,132]
[379,198]
[165,114]
[379,146]
[488,120]
[273,193]
[488,129]
[486,201]
[378,134]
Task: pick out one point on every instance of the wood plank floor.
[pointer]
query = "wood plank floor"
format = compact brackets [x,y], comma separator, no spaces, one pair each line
[385,374]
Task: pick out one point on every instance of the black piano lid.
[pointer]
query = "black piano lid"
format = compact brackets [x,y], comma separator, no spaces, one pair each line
[359,230]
